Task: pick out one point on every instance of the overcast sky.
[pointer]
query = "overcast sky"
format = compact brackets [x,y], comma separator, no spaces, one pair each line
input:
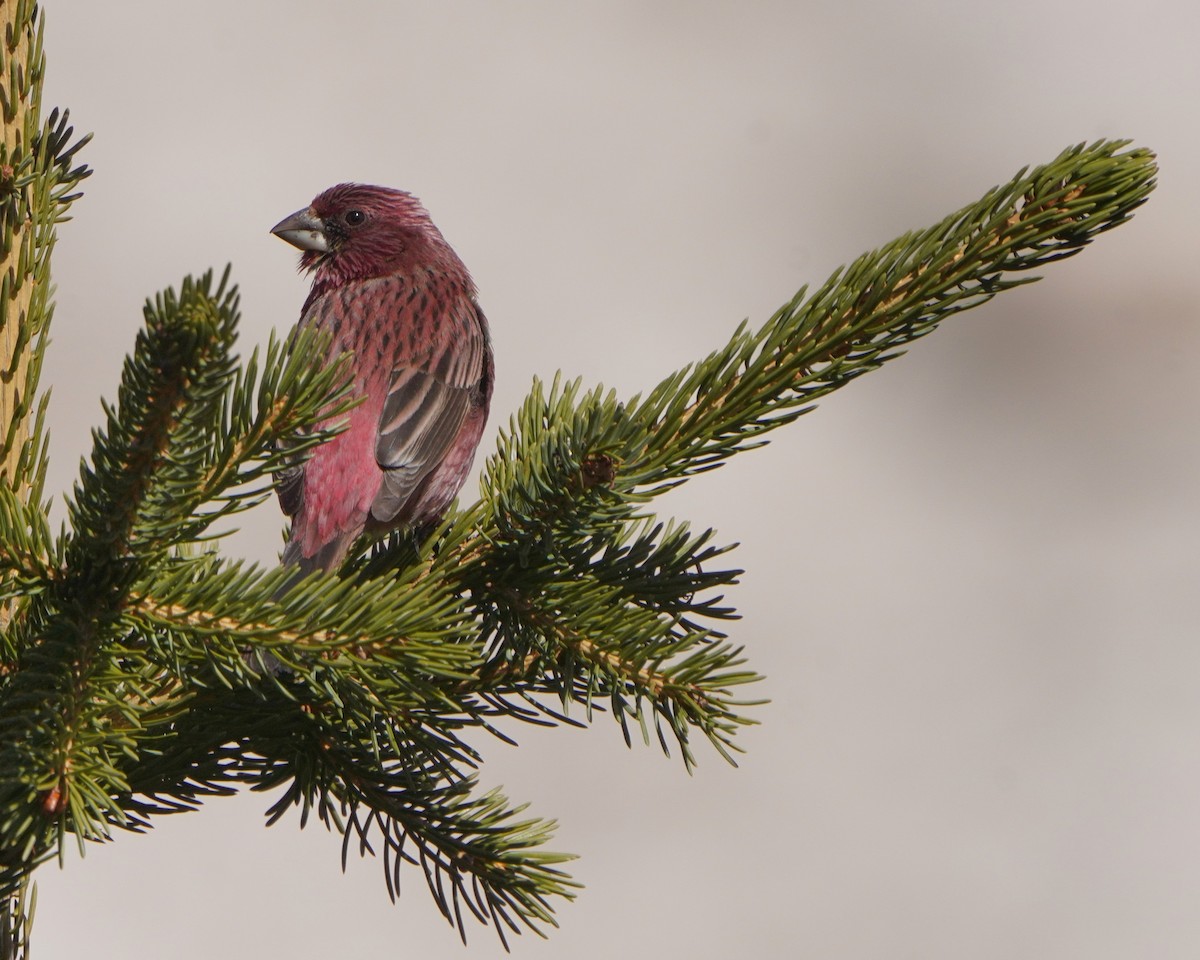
[971,576]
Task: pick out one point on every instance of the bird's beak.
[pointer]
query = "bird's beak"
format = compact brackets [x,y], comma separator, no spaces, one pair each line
[303,229]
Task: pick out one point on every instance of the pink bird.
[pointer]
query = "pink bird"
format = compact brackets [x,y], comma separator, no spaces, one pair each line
[388,289]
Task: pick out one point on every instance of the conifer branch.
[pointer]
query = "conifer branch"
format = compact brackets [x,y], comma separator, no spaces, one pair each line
[38,181]
[128,679]
[38,178]
[574,469]
[16,918]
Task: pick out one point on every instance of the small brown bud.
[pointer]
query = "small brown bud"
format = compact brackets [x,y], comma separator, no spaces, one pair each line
[598,470]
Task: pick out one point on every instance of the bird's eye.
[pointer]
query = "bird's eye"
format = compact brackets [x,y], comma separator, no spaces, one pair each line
[354,218]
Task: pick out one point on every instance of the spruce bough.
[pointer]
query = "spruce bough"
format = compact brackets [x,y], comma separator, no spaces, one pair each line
[125,689]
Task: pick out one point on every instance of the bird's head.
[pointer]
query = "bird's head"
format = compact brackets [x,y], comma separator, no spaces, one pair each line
[354,231]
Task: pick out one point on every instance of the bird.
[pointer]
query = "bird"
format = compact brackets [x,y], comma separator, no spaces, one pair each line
[388,289]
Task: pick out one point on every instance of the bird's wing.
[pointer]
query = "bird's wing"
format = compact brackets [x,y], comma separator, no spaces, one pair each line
[425,408]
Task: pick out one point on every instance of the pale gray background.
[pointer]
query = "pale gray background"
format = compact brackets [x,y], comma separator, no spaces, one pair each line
[971,577]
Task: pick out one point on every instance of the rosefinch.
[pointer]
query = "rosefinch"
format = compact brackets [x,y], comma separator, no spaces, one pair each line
[388,289]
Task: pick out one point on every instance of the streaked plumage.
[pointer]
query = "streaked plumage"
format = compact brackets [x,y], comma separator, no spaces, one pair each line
[390,290]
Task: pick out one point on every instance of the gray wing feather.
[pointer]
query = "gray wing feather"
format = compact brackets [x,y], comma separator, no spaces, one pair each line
[422,416]
[424,412]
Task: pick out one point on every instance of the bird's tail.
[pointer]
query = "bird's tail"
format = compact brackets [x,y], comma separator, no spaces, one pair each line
[328,558]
